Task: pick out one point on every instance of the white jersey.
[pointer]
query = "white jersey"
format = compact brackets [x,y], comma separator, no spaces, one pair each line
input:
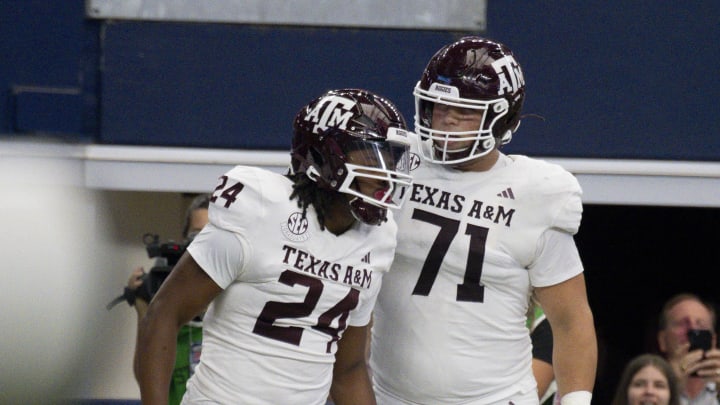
[450,323]
[290,290]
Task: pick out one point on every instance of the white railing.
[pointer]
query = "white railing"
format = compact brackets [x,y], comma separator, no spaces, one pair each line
[142,168]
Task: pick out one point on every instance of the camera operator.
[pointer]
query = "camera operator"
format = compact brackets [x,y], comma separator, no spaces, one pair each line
[696,361]
[189,338]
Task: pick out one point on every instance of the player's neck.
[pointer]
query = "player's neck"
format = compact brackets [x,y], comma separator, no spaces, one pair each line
[481,164]
[339,218]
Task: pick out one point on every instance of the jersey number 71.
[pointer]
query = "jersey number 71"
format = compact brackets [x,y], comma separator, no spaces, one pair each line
[471,289]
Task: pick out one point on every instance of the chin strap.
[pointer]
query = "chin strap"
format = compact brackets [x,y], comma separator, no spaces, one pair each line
[507,137]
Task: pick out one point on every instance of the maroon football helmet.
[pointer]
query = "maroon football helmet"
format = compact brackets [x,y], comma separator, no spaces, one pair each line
[348,134]
[472,73]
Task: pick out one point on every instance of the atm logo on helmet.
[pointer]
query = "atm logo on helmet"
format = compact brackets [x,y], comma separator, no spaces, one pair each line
[332,111]
[509,74]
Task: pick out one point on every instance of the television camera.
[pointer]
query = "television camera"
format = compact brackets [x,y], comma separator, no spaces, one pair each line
[167,254]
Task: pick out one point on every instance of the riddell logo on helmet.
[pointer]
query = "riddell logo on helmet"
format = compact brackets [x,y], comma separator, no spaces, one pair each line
[509,74]
[332,111]
[441,88]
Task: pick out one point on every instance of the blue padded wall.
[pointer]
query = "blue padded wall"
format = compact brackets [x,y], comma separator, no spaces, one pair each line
[239,86]
[48,68]
[613,79]
[616,79]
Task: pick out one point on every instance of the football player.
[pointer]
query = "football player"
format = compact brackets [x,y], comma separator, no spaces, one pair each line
[480,232]
[289,265]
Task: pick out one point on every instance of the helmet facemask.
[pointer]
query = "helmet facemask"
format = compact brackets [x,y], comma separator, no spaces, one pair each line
[376,173]
[443,146]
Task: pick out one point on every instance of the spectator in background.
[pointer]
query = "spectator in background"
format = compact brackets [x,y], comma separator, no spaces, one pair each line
[290,266]
[189,339]
[697,370]
[647,379]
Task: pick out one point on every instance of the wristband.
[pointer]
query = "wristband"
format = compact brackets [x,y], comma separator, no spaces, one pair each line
[576,398]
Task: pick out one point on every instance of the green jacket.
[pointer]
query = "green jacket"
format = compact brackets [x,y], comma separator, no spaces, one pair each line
[188,344]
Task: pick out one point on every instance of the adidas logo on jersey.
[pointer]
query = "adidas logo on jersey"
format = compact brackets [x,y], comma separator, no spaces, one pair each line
[507,193]
[366,258]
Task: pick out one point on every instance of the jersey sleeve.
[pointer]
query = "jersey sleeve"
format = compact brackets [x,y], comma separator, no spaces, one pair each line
[243,196]
[558,197]
[219,253]
[384,241]
[556,193]
[361,316]
[569,202]
[557,259]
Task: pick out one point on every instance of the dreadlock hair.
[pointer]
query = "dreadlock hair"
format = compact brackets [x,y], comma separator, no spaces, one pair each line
[308,193]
